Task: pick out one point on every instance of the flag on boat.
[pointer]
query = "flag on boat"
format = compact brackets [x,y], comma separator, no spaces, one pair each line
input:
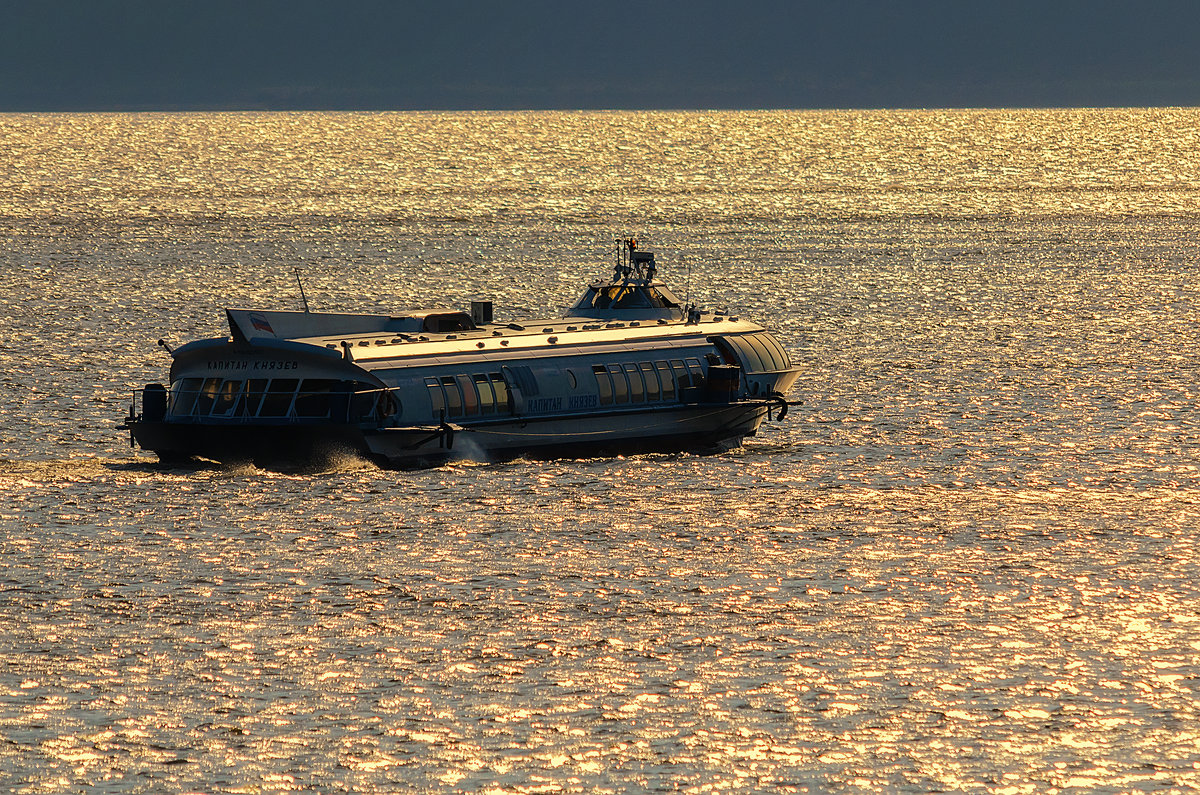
[260,323]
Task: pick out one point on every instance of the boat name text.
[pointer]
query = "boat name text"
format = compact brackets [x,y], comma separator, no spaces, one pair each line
[583,402]
[545,404]
[253,364]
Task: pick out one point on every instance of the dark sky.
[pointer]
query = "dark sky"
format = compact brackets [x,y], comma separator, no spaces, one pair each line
[464,54]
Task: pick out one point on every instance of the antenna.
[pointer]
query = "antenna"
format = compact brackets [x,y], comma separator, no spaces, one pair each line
[299,283]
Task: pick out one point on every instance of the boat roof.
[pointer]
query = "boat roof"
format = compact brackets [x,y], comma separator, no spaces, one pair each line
[532,338]
[630,309]
[246,324]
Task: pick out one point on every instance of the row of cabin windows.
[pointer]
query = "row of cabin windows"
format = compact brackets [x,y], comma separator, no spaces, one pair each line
[468,394]
[638,382]
[479,394]
[310,398]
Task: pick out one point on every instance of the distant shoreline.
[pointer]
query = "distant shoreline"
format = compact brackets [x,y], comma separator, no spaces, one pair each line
[133,109]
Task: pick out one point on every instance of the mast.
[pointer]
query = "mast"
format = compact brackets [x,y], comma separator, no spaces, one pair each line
[303,297]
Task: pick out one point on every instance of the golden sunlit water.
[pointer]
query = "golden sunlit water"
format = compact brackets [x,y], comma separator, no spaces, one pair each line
[968,562]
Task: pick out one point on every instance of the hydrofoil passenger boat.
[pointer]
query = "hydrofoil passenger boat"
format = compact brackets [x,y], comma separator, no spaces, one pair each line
[628,369]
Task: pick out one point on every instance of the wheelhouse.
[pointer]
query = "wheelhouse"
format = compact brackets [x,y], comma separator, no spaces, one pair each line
[632,293]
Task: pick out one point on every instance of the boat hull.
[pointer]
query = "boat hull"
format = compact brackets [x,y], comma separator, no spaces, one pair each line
[695,427]
[175,442]
[683,428]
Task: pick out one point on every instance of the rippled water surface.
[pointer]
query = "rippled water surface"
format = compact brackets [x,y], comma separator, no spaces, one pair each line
[968,562]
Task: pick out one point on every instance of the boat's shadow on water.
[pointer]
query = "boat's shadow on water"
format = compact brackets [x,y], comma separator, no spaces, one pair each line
[322,465]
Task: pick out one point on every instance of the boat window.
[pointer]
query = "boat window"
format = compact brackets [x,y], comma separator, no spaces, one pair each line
[454,406]
[617,297]
[572,380]
[487,400]
[183,395]
[470,398]
[255,388]
[697,371]
[208,394]
[436,399]
[633,298]
[603,384]
[651,379]
[313,398]
[625,297]
[353,401]
[659,300]
[227,398]
[501,389]
[591,299]
[637,388]
[666,379]
[277,401]
[682,376]
[620,385]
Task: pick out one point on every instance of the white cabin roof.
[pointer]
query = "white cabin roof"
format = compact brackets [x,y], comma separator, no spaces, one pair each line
[532,338]
[631,309]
